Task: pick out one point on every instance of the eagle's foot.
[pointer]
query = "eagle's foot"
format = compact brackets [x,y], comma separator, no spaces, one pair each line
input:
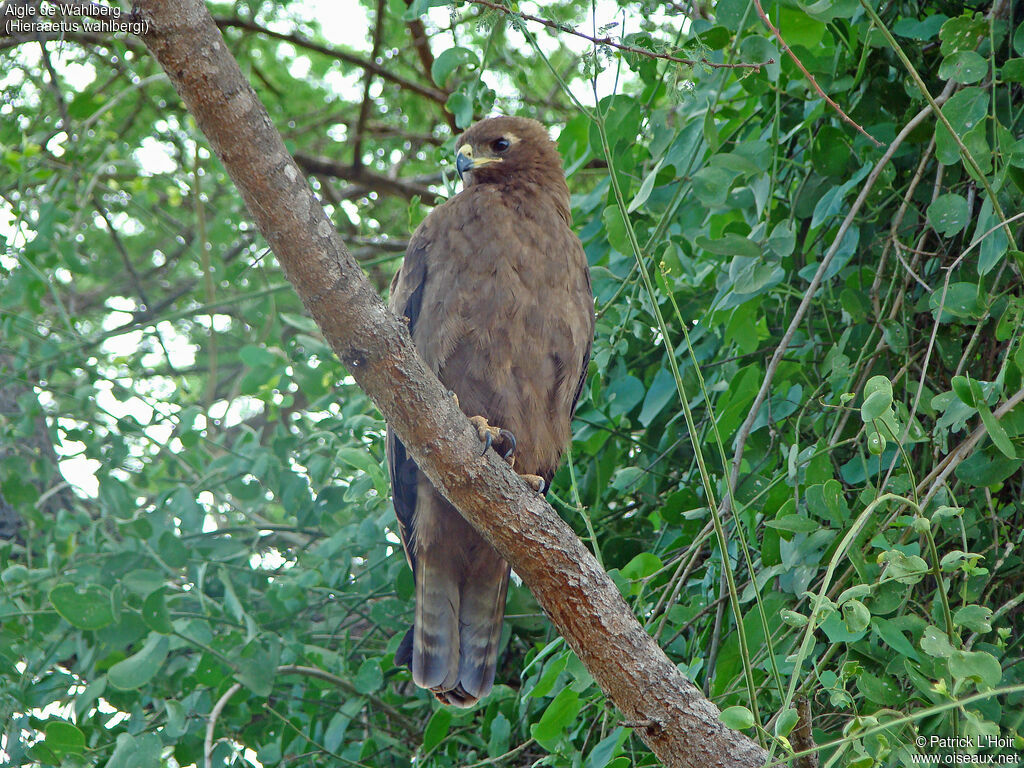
[496,436]
[536,482]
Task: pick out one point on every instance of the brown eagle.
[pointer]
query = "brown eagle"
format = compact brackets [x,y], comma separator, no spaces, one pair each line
[497,293]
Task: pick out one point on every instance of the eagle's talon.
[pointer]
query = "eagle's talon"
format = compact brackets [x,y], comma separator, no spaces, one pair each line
[507,436]
[485,432]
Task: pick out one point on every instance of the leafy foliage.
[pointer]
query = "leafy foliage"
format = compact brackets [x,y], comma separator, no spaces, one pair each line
[226,544]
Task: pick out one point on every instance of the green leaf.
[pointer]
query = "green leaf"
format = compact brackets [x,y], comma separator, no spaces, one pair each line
[949,214]
[875,406]
[977,618]
[738,718]
[925,29]
[794,524]
[878,689]
[175,719]
[369,678]
[993,238]
[878,384]
[935,643]
[559,715]
[1013,71]
[256,671]
[892,636]
[417,8]
[964,67]
[964,391]
[979,666]
[827,10]
[645,188]
[971,393]
[138,669]
[615,229]
[711,184]
[786,722]
[782,240]
[64,738]
[142,751]
[961,300]
[996,431]
[986,468]
[623,394]
[449,60]
[548,678]
[792,618]
[501,732]
[86,607]
[461,105]
[964,110]
[437,728]
[731,244]
[606,749]
[906,569]
[962,33]
[300,322]
[661,392]
[155,614]
[256,356]
[643,565]
[856,616]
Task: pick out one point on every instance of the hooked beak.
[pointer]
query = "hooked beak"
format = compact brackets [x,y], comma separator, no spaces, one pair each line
[464,160]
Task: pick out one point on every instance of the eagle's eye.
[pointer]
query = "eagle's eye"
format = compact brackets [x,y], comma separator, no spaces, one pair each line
[500,145]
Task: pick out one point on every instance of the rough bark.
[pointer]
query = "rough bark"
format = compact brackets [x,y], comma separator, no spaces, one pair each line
[672,717]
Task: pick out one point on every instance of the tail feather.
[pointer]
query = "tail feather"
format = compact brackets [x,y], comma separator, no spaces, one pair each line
[480,621]
[461,584]
[435,655]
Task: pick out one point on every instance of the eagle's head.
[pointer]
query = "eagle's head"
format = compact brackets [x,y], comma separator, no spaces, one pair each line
[508,150]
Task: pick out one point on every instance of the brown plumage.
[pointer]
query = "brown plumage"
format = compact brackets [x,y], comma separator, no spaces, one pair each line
[497,292]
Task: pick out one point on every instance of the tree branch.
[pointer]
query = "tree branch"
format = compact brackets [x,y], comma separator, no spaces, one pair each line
[318,166]
[369,65]
[375,346]
[612,43]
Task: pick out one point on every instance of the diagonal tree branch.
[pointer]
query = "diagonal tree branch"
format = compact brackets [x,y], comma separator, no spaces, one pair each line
[368,64]
[679,725]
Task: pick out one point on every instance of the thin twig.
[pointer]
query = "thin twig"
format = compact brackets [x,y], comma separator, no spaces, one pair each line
[298,40]
[809,76]
[319,166]
[62,107]
[421,43]
[211,723]
[515,752]
[364,107]
[611,43]
[938,475]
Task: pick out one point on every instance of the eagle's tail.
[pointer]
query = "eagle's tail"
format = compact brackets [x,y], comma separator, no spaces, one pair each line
[480,619]
[455,657]
[435,647]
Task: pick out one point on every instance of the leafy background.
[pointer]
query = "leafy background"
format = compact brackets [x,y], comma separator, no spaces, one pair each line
[193,501]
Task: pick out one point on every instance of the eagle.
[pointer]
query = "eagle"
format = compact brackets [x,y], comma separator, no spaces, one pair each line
[496,290]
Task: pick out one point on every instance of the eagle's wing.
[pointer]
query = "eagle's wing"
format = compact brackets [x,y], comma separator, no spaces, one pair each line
[461,582]
[406,300]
